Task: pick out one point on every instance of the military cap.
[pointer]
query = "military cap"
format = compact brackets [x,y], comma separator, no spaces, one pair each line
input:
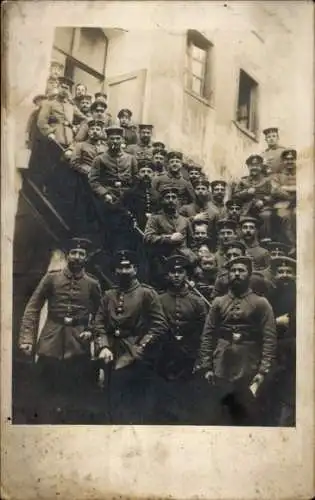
[254,159]
[264,242]
[248,218]
[200,222]
[66,80]
[100,95]
[174,154]
[244,259]
[126,257]
[144,163]
[282,260]
[236,244]
[76,243]
[124,111]
[234,201]
[193,166]
[226,224]
[215,183]
[168,188]
[98,102]
[39,97]
[143,126]
[289,154]
[91,123]
[57,63]
[162,152]
[158,145]
[276,246]
[201,181]
[115,131]
[176,262]
[270,129]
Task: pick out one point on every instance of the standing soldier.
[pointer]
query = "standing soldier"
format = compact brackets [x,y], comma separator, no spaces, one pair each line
[249,231]
[130,130]
[63,349]
[174,177]
[272,155]
[129,327]
[32,133]
[112,174]
[283,301]
[185,313]
[238,346]
[143,150]
[218,191]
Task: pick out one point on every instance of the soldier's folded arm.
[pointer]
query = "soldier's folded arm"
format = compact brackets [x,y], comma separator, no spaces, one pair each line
[269,336]
[95,179]
[30,320]
[204,361]
[82,133]
[152,233]
[43,120]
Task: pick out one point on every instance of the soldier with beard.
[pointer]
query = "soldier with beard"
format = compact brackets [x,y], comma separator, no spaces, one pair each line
[130,326]
[159,161]
[226,232]
[111,175]
[249,231]
[64,373]
[174,177]
[283,301]
[167,233]
[143,149]
[218,191]
[238,347]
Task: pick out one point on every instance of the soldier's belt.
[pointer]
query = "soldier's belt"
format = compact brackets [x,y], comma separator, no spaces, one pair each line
[237,333]
[70,320]
[118,184]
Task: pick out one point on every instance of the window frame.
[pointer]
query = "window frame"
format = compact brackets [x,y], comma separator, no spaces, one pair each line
[197,39]
[252,130]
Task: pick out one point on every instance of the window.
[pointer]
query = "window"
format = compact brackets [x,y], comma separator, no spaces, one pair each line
[247,106]
[198,62]
[82,51]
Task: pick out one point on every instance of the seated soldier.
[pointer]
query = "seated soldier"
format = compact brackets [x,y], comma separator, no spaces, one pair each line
[249,231]
[130,130]
[143,149]
[85,152]
[174,177]
[98,112]
[226,232]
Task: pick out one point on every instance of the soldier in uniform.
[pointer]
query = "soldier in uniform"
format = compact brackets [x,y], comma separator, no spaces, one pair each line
[79,91]
[234,209]
[218,192]
[111,175]
[276,249]
[194,172]
[129,327]
[63,368]
[56,117]
[238,347]
[226,232]
[142,150]
[205,275]
[174,177]
[130,130]
[158,161]
[166,233]
[159,145]
[249,231]
[283,301]
[32,132]
[272,154]
[98,112]
[84,103]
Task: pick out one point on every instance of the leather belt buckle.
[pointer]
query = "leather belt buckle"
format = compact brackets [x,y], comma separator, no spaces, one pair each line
[236,336]
[67,320]
[148,214]
[117,184]
[117,332]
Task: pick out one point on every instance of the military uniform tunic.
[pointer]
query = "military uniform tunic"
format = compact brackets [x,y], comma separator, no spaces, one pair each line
[82,133]
[186,193]
[84,153]
[272,158]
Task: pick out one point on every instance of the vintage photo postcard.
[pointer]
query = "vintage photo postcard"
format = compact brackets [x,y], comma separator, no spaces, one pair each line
[157,274]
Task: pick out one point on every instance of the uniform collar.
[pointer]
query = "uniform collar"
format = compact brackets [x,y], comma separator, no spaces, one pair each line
[254,244]
[70,275]
[245,294]
[180,293]
[134,284]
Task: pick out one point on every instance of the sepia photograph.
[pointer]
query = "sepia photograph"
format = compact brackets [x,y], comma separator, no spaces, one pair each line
[156,210]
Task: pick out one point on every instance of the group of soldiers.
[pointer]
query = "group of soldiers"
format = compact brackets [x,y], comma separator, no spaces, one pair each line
[200,325]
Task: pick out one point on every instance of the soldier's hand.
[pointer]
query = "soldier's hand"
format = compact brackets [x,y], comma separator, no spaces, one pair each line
[201,216]
[256,383]
[106,354]
[67,154]
[85,335]
[209,376]
[51,136]
[283,320]
[27,349]
[251,190]
[177,237]
[108,198]
[259,203]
